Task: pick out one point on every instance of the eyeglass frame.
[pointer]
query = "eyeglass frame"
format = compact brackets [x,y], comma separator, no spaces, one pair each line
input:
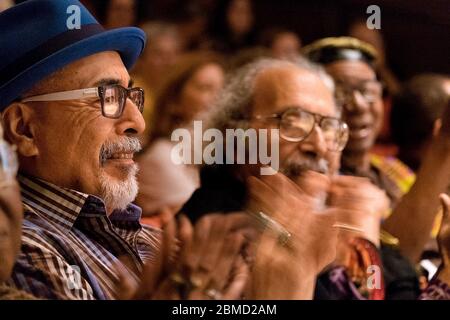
[94,92]
[351,89]
[318,118]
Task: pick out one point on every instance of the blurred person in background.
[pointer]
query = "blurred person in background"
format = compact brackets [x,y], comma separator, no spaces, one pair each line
[416,115]
[435,167]
[11,214]
[191,19]
[246,56]
[232,26]
[119,13]
[391,85]
[158,57]
[292,97]
[413,219]
[351,63]
[188,91]
[439,286]
[416,119]
[283,43]
[414,201]
[358,29]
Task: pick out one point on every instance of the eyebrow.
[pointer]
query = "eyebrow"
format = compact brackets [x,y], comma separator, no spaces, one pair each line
[111,81]
[303,109]
[359,80]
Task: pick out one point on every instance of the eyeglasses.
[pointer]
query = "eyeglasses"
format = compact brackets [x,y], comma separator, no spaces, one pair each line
[296,125]
[8,164]
[370,91]
[112,98]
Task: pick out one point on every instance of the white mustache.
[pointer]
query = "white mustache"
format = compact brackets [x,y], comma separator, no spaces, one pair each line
[125,145]
[294,167]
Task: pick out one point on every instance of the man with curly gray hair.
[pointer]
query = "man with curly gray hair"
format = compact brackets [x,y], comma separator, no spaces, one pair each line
[292,101]
[235,109]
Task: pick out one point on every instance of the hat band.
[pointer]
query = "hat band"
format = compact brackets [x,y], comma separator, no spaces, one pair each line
[330,55]
[46,49]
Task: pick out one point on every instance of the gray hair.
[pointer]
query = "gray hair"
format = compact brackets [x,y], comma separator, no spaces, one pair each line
[234,101]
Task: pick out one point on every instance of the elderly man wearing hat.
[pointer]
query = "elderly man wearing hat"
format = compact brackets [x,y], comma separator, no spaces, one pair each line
[68,105]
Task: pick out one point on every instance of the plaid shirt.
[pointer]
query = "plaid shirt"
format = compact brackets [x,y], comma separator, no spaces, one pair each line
[70,245]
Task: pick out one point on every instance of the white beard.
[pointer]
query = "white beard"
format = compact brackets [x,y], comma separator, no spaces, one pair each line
[117,195]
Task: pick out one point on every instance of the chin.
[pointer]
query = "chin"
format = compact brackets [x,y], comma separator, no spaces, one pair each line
[360,146]
[119,193]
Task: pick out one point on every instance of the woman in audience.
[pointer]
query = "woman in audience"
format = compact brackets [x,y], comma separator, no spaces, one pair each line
[282,43]
[188,91]
[232,26]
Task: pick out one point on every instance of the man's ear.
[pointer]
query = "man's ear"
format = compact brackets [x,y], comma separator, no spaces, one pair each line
[19,128]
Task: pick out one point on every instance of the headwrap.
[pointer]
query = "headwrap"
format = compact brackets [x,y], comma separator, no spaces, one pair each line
[328,50]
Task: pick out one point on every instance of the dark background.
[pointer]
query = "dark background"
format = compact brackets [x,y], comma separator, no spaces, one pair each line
[416,32]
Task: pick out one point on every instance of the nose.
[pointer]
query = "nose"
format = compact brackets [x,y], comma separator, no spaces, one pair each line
[131,122]
[356,103]
[314,143]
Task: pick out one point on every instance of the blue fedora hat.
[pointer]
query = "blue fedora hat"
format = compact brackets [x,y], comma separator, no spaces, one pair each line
[37,40]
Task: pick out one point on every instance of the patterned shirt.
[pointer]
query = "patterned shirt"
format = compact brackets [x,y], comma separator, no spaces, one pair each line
[70,245]
[436,290]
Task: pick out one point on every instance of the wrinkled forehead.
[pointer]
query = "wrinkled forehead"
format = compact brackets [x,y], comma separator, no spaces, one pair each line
[278,89]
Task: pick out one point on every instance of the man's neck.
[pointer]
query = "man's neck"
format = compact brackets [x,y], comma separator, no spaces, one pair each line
[356,161]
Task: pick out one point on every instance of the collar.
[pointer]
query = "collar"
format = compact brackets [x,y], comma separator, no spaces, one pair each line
[63,206]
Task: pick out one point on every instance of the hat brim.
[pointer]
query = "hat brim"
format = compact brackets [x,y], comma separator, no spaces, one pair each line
[128,42]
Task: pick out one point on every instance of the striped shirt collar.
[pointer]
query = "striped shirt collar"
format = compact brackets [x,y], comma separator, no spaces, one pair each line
[64,206]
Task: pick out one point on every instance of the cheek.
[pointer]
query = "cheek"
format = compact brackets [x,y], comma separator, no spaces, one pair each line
[75,143]
[334,162]
[287,149]
[90,146]
[378,112]
[53,146]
